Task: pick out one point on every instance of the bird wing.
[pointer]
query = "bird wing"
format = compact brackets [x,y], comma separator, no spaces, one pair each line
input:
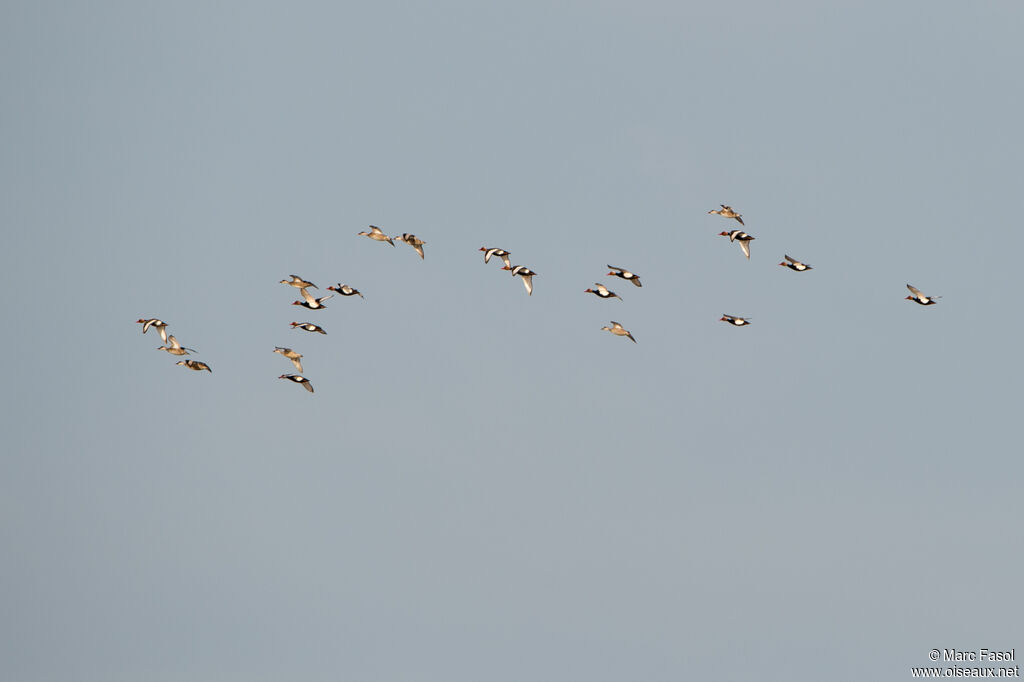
[298,364]
[308,296]
[419,250]
[791,260]
[916,291]
[745,245]
[528,283]
[739,219]
[309,386]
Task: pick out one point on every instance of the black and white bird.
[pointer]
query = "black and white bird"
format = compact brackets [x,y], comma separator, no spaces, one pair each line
[299,379]
[601,291]
[345,290]
[310,302]
[735,321]
[740,236]
[159,325]
[626,275]
[500,253]
[308,327]
[527,275]
[794,264]
[920,298]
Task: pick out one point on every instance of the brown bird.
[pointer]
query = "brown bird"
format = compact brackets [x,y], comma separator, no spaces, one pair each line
[617,329]
[176,348]
[298,283]
[727,212]
[413,241]
[376,234]
[296,358]
[195,364]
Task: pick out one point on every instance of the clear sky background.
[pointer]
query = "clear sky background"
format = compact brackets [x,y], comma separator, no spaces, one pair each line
[485,486]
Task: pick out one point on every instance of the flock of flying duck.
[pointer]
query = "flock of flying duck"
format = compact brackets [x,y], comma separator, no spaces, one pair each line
[526,274]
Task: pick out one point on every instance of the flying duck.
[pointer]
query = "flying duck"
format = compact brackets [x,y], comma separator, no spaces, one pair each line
[626,275]
[299,379]
[727,212]
[920,298]
[602,291]
[176,348]
[159,325]
[376,234]
[310,302]
[527,275]
[735,321]
[298,282]
[195,364]
[413,241]
[345,290]
[307,326]
[617,329]
[500,253]
[794,264]
[740,236]
[296,358]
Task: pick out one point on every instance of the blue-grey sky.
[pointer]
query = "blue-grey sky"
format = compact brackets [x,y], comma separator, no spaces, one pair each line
[485,486]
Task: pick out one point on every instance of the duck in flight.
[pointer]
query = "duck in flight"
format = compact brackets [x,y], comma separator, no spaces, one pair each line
[376,234]
[727,212]
[618,330]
